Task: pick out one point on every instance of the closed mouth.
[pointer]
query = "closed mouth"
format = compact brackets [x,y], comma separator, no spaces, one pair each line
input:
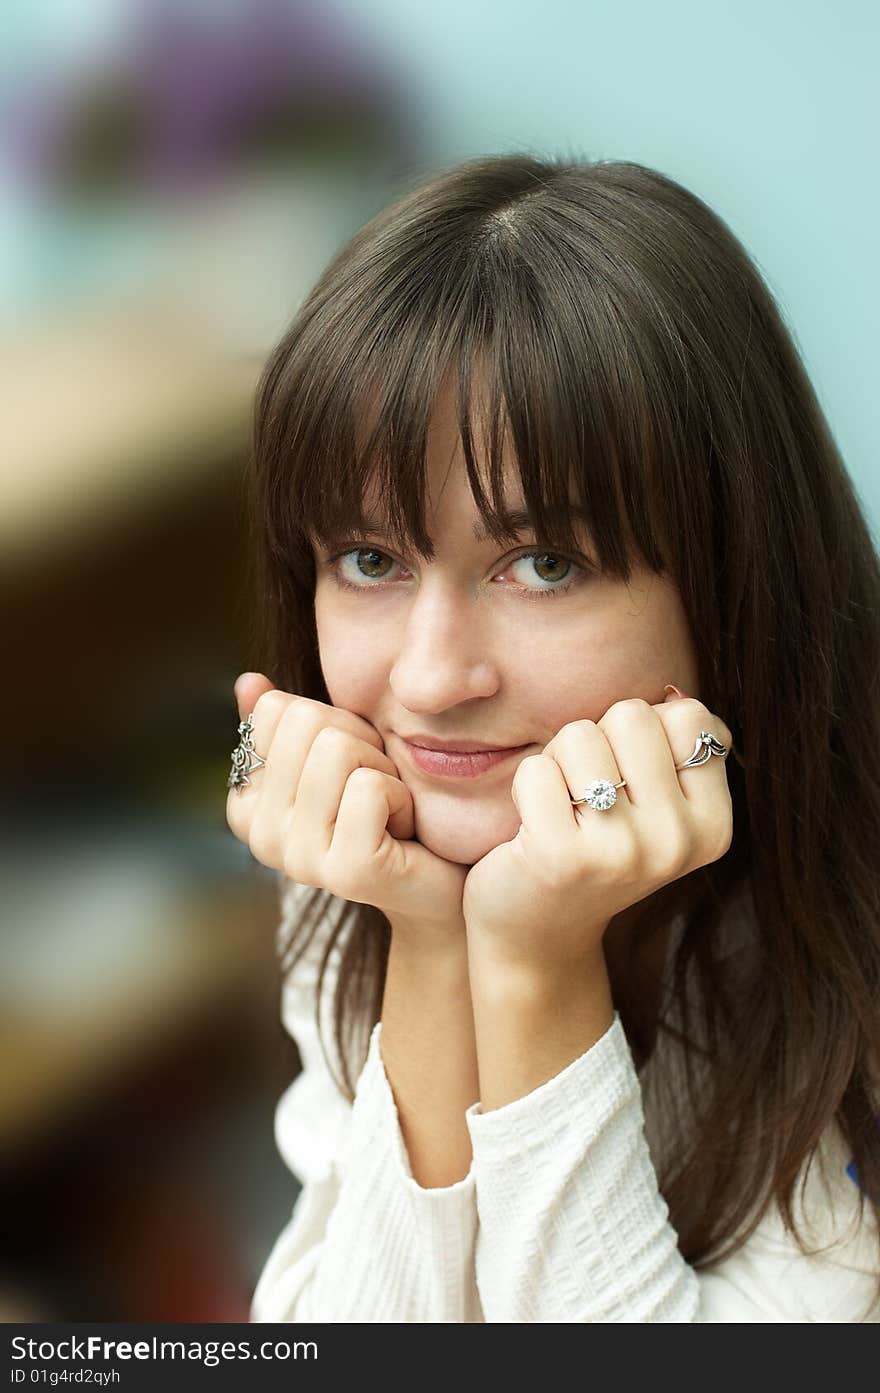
[463,747]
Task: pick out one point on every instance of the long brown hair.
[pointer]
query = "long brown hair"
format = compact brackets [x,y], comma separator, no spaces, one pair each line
[628,344]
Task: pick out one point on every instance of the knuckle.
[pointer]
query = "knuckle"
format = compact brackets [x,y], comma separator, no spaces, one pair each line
[296,716]
[271,705]
[623,857]
[365,779]
[262,846]
[263,840]
[294,865]
[528,760]
[331,737]
[629,853]
[293,860]
[687,708]
[344,878]
[623,710]
[522,771]
[723,839]
[672,857]
[579,727]
[556,867]
[632,705]
[294,857]
[235,819]
[684,722]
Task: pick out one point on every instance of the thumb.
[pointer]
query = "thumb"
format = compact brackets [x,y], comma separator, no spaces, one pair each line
[672,692]
[248,687]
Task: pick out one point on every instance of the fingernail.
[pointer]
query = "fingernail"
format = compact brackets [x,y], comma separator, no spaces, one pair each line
[673,691]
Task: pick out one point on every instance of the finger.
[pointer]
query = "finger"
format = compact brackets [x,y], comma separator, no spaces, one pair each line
[682,813]
[243,803]
[333,756]
[272,703]
[242,799]
[291,727]
[700,718]
[248,688]
[308,717]
[541,796]
[584,754]
[637,740]
[704,787]
[298,747]
[371,802]
[683,722]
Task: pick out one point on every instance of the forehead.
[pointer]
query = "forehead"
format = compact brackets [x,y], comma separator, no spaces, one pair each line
[467,521]
[449,498]
[459,473]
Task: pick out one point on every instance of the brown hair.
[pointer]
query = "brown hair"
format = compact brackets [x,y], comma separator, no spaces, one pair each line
[629,344]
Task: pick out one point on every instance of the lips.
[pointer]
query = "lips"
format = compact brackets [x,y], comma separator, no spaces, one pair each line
[459,764]
[456,746]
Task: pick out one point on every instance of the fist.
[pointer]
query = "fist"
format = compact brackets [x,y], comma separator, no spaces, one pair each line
[329,809]
[547,896]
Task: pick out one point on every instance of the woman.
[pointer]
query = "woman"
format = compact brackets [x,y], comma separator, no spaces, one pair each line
[605,995]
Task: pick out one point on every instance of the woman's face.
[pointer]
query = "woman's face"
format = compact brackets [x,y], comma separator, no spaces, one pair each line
[476,646]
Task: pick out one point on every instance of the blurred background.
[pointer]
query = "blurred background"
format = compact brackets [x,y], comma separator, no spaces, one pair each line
[173,177]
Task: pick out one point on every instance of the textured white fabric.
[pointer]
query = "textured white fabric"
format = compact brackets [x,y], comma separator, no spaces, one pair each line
[559,1218]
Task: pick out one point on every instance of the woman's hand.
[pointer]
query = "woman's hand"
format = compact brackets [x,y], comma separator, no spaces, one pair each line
[542,901]
[328,808]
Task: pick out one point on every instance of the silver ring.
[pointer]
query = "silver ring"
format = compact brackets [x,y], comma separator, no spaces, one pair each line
[601,794]
[704,749]
[245,759]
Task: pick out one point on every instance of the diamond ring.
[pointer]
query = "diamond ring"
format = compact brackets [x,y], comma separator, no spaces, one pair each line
[601,794]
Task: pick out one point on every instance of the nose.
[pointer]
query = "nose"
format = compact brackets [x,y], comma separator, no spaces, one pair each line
[445,656]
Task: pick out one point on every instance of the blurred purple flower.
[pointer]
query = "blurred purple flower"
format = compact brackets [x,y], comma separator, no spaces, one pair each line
[195,91]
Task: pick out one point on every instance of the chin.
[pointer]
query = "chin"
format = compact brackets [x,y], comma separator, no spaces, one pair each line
[464,833]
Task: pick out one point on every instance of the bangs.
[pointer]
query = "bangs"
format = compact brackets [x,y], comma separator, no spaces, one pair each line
[549,383]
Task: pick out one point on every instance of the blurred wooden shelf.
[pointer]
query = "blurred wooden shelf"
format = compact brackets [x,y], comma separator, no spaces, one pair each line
[121,528]
[105,408]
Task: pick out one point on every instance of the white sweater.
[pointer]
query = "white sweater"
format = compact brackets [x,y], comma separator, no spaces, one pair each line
[559,1218]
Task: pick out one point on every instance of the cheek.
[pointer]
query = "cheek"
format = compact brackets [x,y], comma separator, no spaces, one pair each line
[577,675]
[352,661]
[621,652]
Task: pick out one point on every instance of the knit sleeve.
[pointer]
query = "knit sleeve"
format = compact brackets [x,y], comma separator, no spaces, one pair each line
[572,1226]
[365,1242]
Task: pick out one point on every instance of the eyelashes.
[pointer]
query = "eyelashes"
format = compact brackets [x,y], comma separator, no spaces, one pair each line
[334,562]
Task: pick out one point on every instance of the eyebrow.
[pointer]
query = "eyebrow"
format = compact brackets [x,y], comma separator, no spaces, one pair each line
[519,520]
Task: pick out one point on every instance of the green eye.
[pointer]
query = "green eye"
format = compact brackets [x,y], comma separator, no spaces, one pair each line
[369,567]
[557,567]
[369,562]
